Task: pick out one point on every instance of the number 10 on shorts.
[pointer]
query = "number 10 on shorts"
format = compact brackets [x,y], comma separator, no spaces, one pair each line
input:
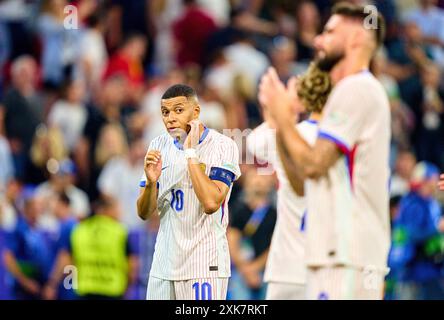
[202,292]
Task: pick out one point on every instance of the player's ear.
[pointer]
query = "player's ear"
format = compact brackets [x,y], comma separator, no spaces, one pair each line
[196,111]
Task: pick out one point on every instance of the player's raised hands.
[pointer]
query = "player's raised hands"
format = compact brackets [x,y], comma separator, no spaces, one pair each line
[441,182]
[153,165]
[276,98]
[193,136]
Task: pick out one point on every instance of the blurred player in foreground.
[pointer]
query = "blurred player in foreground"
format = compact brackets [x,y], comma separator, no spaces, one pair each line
[347,227]
[285,269]
[441,182]
[188,177]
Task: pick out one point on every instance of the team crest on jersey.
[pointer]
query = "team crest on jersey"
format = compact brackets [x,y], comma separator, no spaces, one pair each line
[336,118]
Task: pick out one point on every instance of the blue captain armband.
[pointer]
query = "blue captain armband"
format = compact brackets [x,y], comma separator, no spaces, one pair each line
[142,184]
[223,175]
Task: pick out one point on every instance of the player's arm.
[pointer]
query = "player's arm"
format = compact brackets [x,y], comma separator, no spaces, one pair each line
[147,201]
[313,162]
[293,172]
[210,190]
[211,193]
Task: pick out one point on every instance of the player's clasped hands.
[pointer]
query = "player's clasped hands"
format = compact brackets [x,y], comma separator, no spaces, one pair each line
[276,98]
[153,165]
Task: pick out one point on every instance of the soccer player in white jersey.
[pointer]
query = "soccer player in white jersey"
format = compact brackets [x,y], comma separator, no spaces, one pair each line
[188,177]
[347,226]
[285,270]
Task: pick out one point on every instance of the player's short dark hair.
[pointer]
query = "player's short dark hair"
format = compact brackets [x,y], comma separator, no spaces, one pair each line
[179,90]
[354,11]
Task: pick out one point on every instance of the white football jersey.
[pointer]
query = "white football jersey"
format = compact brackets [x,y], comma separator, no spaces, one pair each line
[348,220]
[286,258]
[190,243]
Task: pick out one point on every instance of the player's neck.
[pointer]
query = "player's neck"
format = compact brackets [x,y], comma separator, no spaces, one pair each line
[349,66]
[315,116]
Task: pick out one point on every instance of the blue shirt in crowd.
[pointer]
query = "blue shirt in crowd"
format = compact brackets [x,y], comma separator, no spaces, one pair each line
[416,240]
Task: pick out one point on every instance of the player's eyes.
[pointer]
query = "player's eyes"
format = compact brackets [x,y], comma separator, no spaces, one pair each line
[165,113]
[179,110]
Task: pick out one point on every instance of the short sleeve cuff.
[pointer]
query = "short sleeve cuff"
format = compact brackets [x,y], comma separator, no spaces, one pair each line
[340,143]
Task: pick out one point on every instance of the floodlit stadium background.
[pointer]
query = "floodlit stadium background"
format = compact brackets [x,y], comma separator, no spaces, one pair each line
[80,95]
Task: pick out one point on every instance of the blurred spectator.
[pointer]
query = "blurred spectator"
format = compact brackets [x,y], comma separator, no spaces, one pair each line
[4,287]
[28,255]
[191,31]
[61,180]
[283,56]
[400,179]
[9,200]
[219,75]
[392,278]
[143,240]
[308,26]
[417,254]
[127,17]
[249,236]
[69,113]
[163,13]
[402,118]
[109,110]
[67,221]
[212,112]
[128,62]
[112,183]
[60,47]
[430,129]
[430,20]
[47,148]
[22,112]
[17,16]
[219,10]
[6,161]
[105,264]
[407,56]
[441,183]
[246,58]
[93,55]
[5,48]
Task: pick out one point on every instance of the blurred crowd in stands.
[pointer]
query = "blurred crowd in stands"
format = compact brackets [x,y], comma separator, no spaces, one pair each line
[79,106]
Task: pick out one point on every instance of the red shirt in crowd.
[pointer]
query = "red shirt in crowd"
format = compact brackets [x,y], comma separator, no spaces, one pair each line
[191,31]
[120,64]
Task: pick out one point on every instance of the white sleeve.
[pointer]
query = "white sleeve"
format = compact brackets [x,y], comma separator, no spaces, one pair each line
[228,159]
[345,115]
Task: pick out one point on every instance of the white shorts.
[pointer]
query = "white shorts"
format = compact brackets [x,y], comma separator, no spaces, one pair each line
[285,291]
[194,289]
[344,283]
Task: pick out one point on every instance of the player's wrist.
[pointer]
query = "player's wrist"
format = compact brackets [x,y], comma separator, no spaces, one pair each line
[191,154]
